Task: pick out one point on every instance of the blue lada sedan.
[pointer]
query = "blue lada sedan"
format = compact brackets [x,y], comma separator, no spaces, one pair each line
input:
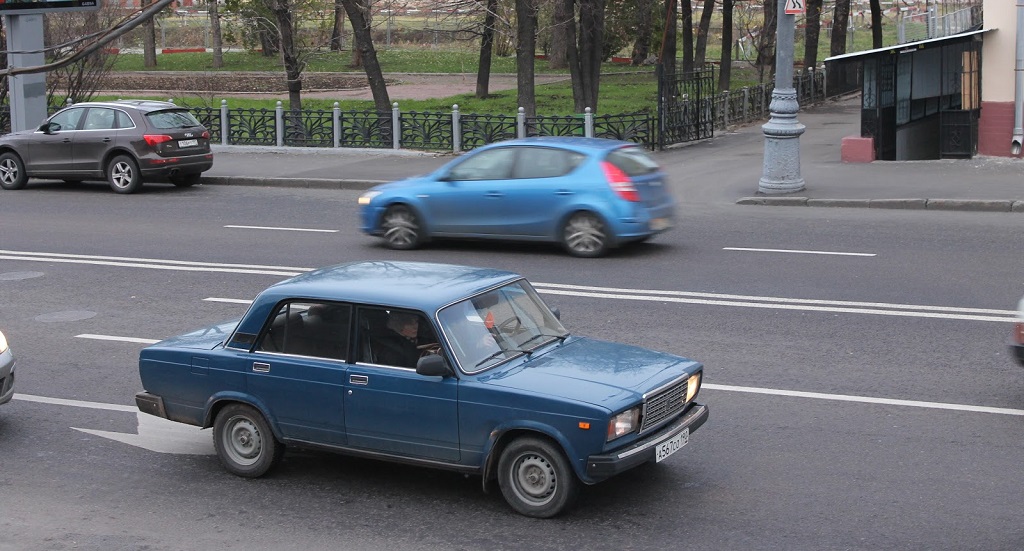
[437,365]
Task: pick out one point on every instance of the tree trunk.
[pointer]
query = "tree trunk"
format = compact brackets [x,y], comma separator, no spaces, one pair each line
[700,52]
[766,40]
[148,40]
[572,54]
[591,49]
[667,56]
[686,14]
[526,47]
[840,20]
[725,64]
[562,17]
[217,38]
[363,42]
[644,28]
[812,33]
[293,66]
[483,70]
[338,28]
[268,39]
[876,24]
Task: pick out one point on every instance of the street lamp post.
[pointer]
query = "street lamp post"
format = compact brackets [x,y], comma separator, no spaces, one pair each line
[782,131]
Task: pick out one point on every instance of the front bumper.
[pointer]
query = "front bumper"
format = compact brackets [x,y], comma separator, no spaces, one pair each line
[6,376]
[603,466]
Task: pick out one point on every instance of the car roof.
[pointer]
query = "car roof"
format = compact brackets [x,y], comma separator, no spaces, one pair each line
[146,106]
[569,142]
[414,285]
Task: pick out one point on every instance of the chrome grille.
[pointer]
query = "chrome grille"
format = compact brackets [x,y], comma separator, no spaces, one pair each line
[663,404]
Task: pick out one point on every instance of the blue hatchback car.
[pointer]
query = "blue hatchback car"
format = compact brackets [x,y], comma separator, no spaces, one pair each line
[437,365]
[589,194]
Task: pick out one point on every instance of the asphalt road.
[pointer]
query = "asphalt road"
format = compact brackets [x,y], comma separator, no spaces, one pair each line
[861,399]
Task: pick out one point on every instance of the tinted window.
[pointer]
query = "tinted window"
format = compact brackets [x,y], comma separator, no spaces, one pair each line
[309,329]
[394,337]
[633,161]
[540,162]
[124,121]
[493,164]
[66,120]
[99,118]
[178,118]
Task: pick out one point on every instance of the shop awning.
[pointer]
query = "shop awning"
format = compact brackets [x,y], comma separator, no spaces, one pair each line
[908,45]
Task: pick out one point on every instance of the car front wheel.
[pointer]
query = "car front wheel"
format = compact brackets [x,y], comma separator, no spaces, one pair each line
[535,478]
[123,174]
[12,171]
[244,442]
[585,235]
[401,228]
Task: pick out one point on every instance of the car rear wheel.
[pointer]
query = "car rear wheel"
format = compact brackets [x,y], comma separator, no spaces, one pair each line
[123,174]
[244,442]
[12,171]
[401,228]
[535,478]
[584,235]
[185,180]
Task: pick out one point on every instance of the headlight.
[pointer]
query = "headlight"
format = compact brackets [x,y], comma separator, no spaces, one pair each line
[692,386]
[3,343]
[365,198]
[623,423]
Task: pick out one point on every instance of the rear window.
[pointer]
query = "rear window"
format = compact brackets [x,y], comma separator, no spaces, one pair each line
[633,161]
[178,118]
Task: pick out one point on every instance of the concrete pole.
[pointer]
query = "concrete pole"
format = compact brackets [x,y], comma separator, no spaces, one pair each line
[28,90]
[782,131]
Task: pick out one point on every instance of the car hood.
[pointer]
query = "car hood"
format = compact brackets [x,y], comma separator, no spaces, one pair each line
[598,372]
[206,338]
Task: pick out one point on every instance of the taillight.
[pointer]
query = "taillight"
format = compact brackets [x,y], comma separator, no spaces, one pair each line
[153,139]
[1018,332]
[205,135]
[619,182]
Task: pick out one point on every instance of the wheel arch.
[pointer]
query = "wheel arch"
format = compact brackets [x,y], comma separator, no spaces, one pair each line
[500,439]
[109,156]
[218,402]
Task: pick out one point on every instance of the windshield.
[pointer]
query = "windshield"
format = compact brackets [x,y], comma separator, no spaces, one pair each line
[497,325]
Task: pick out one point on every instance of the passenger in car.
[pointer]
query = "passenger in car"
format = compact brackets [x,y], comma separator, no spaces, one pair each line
[398,343]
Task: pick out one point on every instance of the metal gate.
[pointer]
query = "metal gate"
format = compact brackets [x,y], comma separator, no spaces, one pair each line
[685,105]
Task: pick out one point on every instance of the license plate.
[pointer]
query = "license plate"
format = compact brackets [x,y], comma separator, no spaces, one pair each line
[672,445]
[658,224]
[188,143]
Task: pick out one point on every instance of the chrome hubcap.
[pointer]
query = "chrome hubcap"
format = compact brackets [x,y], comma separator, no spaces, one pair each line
[121,175]
[400,228]
[584,234]
[8,171]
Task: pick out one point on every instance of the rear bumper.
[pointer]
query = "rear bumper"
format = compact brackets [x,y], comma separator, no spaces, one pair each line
[603,466]
[169,166]
[151,404]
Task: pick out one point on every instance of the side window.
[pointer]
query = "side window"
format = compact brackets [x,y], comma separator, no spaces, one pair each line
[318,329]
[394,337]
[99,118]
[633,161]
[493,164]
[123,120]
[66,120]
[541,162]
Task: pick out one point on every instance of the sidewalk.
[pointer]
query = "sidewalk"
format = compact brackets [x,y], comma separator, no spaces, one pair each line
[724,169]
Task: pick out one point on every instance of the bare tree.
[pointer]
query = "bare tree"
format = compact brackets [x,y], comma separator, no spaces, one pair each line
[217,38]
[686,15]
[876,23]
[840,20]
[667,55]
[644,29]
[337,29]
[725,65]
[290,51]
[82,79]
[526,48]
[812,33]
[483,72]
[700,52]
[562,17]
[148,40]
[358,11]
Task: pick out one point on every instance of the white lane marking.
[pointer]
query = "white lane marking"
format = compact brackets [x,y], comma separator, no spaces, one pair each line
[866,399]
[73,403]
[279,229]
[584,291]
[228,300]
[710,386]
[116,338]
[796,251]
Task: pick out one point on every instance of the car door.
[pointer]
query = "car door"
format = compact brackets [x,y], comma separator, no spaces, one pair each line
[468,200]
[97,133]
[539,190]
[50,151]
[298,370]
[393,410]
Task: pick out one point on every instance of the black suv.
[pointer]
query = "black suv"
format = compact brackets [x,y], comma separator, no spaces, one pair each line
[123,141]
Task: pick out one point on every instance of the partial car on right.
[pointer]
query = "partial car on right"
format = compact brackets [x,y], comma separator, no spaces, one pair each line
[6,371]
[1017,338]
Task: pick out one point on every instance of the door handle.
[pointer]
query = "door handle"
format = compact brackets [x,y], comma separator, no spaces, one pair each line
[106,140]
[358,379]
[261,367]
[494,194]
[563,192]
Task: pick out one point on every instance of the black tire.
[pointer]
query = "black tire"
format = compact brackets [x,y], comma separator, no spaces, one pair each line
[123,174]
[401,227]
[12,171]
[585,235]
[185,180]
[535,478]
[244,442]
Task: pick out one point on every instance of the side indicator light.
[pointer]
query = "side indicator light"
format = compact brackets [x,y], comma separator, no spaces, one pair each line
[584,425]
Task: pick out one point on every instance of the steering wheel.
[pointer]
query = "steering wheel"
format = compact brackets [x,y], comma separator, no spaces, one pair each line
[429,349]
[510,326]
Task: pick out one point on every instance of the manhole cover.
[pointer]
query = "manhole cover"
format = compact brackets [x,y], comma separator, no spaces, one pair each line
[15,276]
[70,315]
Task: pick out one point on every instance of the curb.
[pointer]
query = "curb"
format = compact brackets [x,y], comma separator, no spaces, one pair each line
[972,205]
[308,183]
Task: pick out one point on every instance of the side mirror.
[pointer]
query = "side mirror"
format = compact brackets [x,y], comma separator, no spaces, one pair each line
[46,128]
[433,365]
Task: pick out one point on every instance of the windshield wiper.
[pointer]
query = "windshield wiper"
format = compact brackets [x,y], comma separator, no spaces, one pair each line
[562,338]
[500,352]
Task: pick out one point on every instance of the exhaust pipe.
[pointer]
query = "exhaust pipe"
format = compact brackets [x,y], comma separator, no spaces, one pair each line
[1018,99]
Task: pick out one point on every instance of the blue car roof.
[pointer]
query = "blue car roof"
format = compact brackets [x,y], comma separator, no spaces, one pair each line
[414,285]
[573,142]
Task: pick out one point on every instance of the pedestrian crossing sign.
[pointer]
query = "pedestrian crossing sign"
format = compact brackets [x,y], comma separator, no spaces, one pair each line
[794,7]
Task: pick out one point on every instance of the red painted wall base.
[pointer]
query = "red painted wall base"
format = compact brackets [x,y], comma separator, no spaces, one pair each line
[995,129]
[856,149]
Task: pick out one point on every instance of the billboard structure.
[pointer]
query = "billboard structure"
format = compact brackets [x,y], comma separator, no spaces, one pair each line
[13,7]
